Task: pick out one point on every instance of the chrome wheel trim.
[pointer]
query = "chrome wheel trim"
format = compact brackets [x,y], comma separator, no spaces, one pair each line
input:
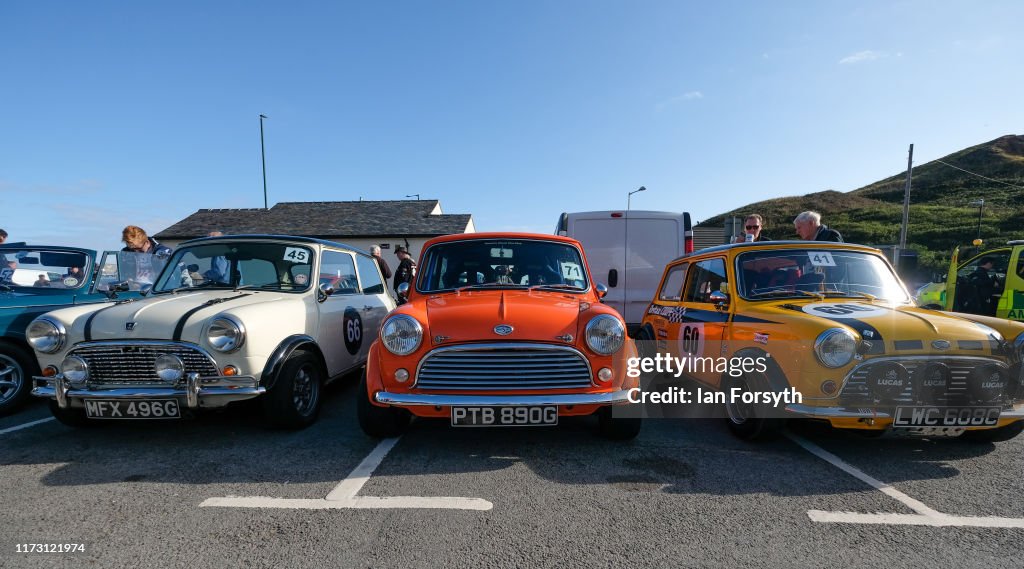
[11,377]
[305,390]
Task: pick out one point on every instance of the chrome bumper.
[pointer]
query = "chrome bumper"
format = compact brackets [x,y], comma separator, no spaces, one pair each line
[442,400]
[195,393]
[812,412]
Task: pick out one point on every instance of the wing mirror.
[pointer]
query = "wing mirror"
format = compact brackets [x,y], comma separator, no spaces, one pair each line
[403,291]
[602,291]
[719,299]
[115,288]
[324,292]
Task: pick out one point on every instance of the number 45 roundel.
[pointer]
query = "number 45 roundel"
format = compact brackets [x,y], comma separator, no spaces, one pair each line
[353,329]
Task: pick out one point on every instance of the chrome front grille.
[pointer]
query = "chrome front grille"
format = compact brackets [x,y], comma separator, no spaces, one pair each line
[856,389]
[493,367]
[132,363]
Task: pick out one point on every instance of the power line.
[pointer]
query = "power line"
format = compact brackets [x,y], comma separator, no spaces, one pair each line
[979,175]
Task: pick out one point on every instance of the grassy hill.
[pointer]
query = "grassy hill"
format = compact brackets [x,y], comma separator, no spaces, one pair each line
[940,218]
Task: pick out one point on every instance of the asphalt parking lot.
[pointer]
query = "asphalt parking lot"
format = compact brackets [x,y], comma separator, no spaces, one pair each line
[222,490]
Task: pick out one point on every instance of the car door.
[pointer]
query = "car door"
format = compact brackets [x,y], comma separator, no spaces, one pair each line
[665,312]
[970,296]
[341,329]
[703,325]
[376,302]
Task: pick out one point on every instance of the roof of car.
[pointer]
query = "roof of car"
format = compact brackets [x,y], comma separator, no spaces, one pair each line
[263,237]
[774,244]
[500,235]
[64,248]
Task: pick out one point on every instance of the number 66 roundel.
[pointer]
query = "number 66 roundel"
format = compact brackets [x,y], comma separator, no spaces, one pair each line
[353,328]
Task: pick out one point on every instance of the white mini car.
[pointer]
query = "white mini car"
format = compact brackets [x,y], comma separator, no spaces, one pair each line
[228,318]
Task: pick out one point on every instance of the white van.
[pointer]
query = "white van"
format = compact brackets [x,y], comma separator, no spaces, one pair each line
[647,239]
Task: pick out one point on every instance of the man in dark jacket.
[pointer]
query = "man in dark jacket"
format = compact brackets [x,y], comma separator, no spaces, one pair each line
[984,285]
[405,272]
[809,228]
[384,268]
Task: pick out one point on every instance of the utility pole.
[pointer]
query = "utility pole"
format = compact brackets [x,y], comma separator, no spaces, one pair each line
[906,209]
[263,156]
[625,260]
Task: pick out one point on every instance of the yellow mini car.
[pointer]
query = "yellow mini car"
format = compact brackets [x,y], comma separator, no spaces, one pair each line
[814,330]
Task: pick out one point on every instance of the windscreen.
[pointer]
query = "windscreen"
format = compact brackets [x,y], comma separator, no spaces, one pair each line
[502,264]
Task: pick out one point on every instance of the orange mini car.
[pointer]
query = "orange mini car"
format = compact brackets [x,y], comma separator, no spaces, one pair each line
[500,329]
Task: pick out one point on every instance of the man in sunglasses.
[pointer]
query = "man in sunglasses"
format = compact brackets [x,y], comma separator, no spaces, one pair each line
[752,225]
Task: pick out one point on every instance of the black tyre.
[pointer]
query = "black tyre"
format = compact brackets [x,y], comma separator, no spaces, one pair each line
[645,343]
[16,370]
[70,416]
[996,435]
[294,400]
[378,422]
[748,421]
[617,428]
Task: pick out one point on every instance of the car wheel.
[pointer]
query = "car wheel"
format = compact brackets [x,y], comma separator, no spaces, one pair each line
[378,422]
[645,343]
[748,421]
[16,371]
[70,416]
[997,435]
[294,401]
[617,428]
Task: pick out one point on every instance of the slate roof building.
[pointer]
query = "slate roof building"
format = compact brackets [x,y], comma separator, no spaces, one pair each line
[409,223]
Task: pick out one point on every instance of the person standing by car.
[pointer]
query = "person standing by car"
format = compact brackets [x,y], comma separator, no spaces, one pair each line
[384,268]
[809,228]
[3,258]
[405,272]
[141,268]
[752,225]
[984,286]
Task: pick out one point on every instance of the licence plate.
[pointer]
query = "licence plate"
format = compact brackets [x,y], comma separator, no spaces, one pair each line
[546,415]
[946,417]
[133,409]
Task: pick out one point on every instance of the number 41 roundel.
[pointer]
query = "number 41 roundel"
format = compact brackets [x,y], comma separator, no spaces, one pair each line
[353,325]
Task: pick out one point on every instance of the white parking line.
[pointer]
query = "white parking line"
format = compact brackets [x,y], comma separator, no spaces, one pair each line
[25,425]
[343,496]
[925,516]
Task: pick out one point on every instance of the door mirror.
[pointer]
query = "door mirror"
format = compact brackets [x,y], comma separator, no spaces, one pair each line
[602,291]
[325,291]
[719,299]
[403,291]
[613,278]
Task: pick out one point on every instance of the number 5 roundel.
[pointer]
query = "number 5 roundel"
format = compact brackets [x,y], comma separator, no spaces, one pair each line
[353,325]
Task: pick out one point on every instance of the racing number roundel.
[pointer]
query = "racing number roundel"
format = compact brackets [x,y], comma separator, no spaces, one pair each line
[691,339]
[840,310]
[353,325]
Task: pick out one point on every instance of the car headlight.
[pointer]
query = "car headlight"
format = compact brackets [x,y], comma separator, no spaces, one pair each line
[169,368]
[46,335]
[605,334]
[835,347]
[225,334]
[75,370]
[401,334]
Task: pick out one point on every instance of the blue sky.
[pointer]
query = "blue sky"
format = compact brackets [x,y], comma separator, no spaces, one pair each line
[143,112]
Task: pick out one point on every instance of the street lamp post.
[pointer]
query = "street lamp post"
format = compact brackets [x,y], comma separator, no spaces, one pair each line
[417,196]
[263,157]
[625,254]
[980,204]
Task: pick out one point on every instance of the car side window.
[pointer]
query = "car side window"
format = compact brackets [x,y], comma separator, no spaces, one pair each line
[672,289]
[338,271]
[369,275]
[708,276]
